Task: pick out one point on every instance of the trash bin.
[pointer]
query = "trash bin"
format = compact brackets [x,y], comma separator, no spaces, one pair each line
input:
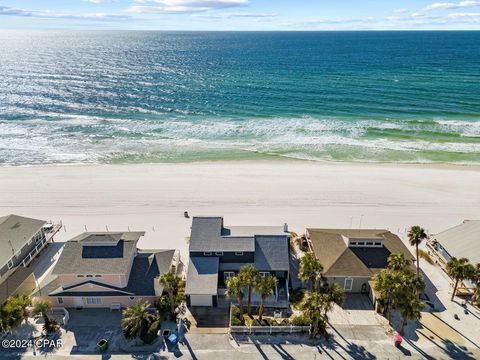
[102,345]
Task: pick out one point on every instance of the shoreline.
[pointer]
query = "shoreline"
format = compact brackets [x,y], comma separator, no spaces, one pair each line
[153,197]
[276,159]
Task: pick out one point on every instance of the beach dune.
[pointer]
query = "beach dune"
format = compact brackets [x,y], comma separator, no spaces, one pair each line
[153,197]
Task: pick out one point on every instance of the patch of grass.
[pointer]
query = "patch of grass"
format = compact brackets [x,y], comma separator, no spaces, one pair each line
[424,255]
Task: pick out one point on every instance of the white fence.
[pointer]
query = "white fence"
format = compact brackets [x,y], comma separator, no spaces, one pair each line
[269,329]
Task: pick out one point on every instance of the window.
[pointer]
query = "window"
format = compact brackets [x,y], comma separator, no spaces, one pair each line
[10,264]
[361,243]
[207,254]
[219,253]
[98,275]
[264,273]
[378,243]
[89,275]
[348,284]
[227,275]
[369,243]
[353,243]
[80,275]
[240,253]
[94,300]
[60,300]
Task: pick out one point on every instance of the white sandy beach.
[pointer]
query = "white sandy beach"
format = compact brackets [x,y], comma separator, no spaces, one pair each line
[153,197]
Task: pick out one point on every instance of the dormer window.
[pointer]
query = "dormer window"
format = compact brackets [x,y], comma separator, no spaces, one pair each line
[207,254]
[219,253]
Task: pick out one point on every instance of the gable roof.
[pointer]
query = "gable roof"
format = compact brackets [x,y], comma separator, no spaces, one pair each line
[462,240]
[210,235]
[15,232]
[146,267]
[89,253]
[338,259]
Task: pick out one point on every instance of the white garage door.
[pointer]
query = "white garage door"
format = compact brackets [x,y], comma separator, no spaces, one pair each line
[200,300]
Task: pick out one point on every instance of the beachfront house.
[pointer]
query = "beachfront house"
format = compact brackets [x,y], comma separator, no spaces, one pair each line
[217,252]
[351,257]
[21,240]
[107,270]
[461,241]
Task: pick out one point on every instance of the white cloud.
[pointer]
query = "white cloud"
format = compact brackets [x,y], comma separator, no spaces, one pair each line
[400,11]
[183,6]
[9,11]
[235,15]
[467,16]
[451,5]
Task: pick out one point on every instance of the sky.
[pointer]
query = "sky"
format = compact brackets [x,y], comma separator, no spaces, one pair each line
[241,15]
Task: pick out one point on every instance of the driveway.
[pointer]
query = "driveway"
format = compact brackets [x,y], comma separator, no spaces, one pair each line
[356,310]
[208,319]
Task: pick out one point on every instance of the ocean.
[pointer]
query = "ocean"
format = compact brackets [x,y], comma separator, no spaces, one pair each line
[131,97]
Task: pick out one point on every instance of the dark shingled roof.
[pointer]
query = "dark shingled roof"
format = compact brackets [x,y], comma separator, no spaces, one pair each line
[338,259]
[202,276]
[90,253]
[141,282]
[210,235]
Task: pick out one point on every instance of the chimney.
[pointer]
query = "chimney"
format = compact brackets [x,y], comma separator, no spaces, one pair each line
[285,227]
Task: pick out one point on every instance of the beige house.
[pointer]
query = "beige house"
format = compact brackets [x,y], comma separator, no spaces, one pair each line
[107,270]
[351,257]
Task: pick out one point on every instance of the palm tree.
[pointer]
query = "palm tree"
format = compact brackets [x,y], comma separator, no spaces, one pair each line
[265,286]
[313,306]
[136,320]
[171,283]
[416,235]
[334,294]
[410,309]
[387,284]
[41,309]
[310,269]
[397,262]
[476,281]
[248,276]
[235,290]
[459,270]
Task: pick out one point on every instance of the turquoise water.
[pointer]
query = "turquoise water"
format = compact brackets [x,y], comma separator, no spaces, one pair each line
[114,97]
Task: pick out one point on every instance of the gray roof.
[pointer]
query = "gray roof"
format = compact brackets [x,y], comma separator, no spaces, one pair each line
[89,253]
[271,254]
[202,276]
[15,231]
[462,240]
[145,270]
[209,235]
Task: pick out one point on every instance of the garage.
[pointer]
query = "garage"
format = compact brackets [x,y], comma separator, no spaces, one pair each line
[201,300]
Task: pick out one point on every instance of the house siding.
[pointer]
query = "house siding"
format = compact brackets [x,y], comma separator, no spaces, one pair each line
[107,301]
[357,282]
[228,257]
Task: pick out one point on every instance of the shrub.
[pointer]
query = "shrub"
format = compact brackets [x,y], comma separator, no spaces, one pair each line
[300,320]
[151,334]
[162,304]
[235,316]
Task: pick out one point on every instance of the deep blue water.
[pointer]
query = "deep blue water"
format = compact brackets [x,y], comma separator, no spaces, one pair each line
[73,96]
